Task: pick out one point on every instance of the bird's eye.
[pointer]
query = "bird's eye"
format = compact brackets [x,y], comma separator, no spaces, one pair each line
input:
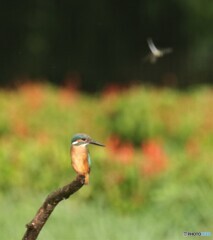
[83,139]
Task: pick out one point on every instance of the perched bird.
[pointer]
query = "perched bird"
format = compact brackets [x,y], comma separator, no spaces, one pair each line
[80,155]
[155,53]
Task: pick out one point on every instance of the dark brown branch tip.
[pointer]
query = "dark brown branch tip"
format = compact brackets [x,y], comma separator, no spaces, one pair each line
[30,225]
[82,179]
[35,226]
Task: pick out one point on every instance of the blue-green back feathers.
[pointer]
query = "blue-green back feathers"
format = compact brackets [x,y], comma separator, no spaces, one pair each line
[89,160]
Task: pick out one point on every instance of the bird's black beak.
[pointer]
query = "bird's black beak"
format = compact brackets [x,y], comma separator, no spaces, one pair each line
[96,143]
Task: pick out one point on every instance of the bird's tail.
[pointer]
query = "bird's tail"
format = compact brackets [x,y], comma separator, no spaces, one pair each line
[86,179]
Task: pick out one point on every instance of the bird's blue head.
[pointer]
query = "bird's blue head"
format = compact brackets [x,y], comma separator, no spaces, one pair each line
[81,139]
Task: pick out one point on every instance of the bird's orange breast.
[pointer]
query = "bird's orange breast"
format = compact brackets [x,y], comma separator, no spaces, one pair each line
[79,156]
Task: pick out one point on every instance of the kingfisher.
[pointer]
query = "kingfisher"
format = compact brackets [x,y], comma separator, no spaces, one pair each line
[155,52]
[81,161]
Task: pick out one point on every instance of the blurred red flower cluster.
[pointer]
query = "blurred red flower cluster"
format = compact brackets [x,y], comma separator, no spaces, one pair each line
[33,93]
[120,152]
[155,158]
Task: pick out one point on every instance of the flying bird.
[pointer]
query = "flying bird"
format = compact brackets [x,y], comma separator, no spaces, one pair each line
[155,52]
[79,153]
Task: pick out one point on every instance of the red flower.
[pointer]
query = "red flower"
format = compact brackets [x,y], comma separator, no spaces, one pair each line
[155,159]
[67,96]
[113,143]
[121,152]
[111,90]
[33,93]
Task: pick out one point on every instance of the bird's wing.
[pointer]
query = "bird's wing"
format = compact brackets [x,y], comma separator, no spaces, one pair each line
[152,47]
[89,159]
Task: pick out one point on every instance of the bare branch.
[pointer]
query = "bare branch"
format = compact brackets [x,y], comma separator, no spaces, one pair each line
[35,226]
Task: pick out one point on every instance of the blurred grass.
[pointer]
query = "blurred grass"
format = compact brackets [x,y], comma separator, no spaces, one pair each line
[154,177]
[74,220]
[69,220]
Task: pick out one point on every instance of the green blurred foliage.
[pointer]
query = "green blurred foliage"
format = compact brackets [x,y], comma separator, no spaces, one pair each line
[146,113]
[158,155]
